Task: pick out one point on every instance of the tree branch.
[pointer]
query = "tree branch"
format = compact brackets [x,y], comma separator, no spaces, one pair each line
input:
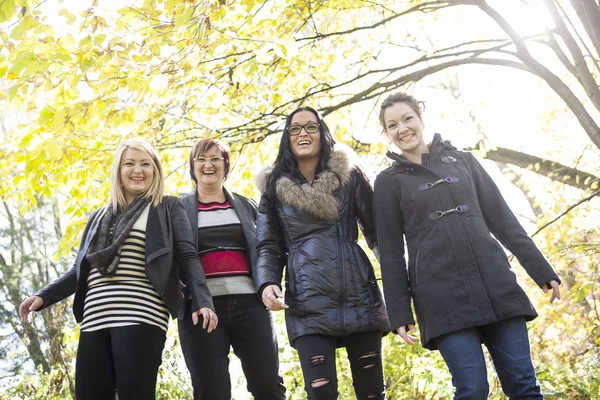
[588,12]
[555,83]
[583,74]
[580,202]
[550,169]
[425,7]
[379,87]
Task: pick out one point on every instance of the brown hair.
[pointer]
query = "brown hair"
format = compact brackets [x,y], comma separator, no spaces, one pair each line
[202,147]
[401,97]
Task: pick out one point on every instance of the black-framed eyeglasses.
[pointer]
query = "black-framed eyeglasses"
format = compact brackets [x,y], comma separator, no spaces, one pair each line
[212,160]
[311,127]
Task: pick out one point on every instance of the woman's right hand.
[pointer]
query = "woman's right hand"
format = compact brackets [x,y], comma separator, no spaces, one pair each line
[30,304]
[272,298]
[404,334]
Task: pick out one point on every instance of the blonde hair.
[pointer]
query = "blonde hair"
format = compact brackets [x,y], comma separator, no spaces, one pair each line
[156,190]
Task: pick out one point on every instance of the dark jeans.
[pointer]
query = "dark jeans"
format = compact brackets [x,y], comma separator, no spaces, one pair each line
[508,344]
[124,359]
[245,325]
[317,358]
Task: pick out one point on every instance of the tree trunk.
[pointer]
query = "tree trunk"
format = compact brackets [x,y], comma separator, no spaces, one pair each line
[588,12]
[569,97]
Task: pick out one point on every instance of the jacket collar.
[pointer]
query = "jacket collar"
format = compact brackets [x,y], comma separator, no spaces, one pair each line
[156,232]
[436,147]
[191,208]
[247,221]
[94,222]
[320,197]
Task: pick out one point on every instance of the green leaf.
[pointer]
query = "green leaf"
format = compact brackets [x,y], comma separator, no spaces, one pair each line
[12,91]
[290,47]
[3,67]
[53,149]
[99,39]
[184,17]
[46,116]
[7,10]
[85,41]
[19,65]
[24,143]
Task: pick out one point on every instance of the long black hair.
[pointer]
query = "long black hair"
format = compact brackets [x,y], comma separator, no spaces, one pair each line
[286,163]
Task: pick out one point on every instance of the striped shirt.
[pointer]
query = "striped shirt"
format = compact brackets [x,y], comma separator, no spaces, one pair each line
[128,298]
[222,250]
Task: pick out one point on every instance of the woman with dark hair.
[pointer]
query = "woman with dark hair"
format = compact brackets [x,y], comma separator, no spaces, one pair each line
[126,281]
[224,226]
[312,199]
[447,207]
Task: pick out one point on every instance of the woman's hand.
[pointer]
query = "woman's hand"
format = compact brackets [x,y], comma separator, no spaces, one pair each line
[272,298]
[210,318]
[555,289]
[404,335]
[30,304]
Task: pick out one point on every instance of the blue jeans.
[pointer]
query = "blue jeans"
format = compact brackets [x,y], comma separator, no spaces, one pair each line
[508,344]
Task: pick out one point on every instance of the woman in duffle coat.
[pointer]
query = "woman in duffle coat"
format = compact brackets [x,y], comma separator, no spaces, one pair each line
[464,290]
[311,202]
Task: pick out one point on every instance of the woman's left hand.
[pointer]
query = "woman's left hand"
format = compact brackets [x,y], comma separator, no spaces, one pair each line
[210,318]
[555,290]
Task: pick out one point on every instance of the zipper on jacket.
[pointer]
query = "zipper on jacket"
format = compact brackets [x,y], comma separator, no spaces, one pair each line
[341,280]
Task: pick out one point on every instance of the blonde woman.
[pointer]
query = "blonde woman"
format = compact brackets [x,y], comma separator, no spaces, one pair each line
[126,280]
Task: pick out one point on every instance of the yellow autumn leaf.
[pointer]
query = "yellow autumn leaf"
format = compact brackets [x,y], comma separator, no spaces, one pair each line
[7,10]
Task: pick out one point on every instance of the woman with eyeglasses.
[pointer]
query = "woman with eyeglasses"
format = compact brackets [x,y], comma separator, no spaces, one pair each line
[312,199]
[126,281]
[464,291]
[224,226]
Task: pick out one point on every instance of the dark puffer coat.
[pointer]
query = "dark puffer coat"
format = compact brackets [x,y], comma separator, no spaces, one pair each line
[330,284]
[458,274]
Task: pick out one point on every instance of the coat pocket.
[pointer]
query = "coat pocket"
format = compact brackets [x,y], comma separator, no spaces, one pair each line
[368,279]
[416,268]
[413,268]
[296,284]
[492,260]
[437,277]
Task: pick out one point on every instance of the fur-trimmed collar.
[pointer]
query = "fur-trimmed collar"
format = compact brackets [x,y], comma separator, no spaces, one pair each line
[318,198]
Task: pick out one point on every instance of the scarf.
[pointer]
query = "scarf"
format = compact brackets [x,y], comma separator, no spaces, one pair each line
[103,251]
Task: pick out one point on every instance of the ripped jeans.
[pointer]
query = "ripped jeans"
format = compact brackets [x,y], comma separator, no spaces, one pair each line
[317,358]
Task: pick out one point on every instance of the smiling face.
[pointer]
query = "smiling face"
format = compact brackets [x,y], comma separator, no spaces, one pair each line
[136,173]
[404,127]
[305,145]
[209,168]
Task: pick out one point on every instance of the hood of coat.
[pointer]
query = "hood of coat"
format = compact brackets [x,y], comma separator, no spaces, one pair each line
[436,146]
[318,198]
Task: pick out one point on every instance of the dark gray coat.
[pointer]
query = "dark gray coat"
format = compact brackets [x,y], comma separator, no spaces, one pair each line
[459,277]
[330,284]
[169,243]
